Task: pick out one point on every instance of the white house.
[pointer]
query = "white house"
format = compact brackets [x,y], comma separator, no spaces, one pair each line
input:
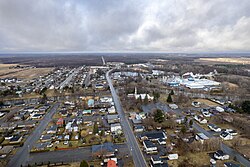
[226,136]
[111,110]
[214,127]
[200,119]
[232,132]
[149,147]
[220,109]
[201,137]
[156,160]
[115,127]
[221,155]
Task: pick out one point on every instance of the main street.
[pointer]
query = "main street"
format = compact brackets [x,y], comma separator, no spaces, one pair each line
[23,153]
[134,148]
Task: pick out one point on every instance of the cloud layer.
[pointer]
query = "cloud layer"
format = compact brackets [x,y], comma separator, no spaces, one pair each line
[128,25]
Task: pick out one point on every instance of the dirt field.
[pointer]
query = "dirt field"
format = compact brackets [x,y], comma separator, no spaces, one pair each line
[4,69]
[207,102]
[29,73]
[25,73]
[226,60]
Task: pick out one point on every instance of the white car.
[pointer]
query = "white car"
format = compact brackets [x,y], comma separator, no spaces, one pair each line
[50,145]
[213,161]
[66,142]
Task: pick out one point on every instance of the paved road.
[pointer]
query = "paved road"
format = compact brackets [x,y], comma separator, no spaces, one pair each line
[69,78]
[87,80]
[22,155]
[74,155]
[135,150]
[66,156]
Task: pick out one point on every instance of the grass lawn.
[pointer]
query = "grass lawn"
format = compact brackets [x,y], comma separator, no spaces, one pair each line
[57,115]
[195,158]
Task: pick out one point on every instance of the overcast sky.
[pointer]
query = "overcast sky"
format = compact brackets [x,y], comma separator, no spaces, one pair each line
[129,25]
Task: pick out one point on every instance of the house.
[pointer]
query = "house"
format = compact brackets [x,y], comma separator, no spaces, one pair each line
[85,112]
[113,118]
[60,122]
[99,86]
[16,139]
[232,132]
[221,155]
[111,163]
[105,150]
[156,160]
[37,116]
[8,137]
[2,114]
[106,99]
[46,138]
[115,127]
[66,137]
[200,119]
[220,109]
[74,126]
[149,147]
[214,127]
[196,104]
[180,120]
[25,124]
[226,136]
[157,72]
[201,137]
[138,128]
[111,110]
[91,103]
[64,113]
[153,136]
[52,130]
[162,141]
[205,112]
[40,146]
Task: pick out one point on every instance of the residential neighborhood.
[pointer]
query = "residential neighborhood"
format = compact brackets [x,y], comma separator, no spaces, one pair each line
[121,114]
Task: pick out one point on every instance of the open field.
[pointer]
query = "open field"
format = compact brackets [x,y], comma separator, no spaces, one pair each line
[207,102]
[5,69]
[29,73]
[226,60]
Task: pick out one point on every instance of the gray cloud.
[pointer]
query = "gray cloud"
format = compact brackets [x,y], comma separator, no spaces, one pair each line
[116,25]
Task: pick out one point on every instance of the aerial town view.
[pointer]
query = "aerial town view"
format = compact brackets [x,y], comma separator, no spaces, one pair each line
[124,83]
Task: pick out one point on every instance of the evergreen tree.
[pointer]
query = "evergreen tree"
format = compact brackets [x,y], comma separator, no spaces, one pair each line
[246,106]
[158,116]
[84,164]
[95,128]
[191,123]
[146,99]
[169,99]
